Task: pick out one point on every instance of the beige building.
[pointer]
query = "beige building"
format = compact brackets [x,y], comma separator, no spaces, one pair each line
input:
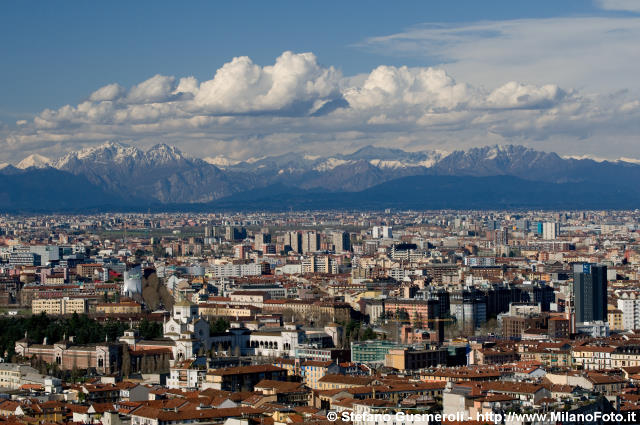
[625,356]
[124,307]
[411,359]
[615,319]
[255,298]
[214,310]
[59,306]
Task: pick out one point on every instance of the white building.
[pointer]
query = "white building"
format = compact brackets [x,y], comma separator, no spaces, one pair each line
[550,230]
[47,253]
[132,281]
[235,270]
[277,342]
[381,232]
[630,308]
[188,330]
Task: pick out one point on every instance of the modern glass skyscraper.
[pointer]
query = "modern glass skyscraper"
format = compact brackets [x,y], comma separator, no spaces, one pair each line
[590,292]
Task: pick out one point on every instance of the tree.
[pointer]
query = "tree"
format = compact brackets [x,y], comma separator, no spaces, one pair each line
[219,325]
[369,334]
[288,315]
[126,361]
[402,315]
[75,373]
[150,330]
[417,320]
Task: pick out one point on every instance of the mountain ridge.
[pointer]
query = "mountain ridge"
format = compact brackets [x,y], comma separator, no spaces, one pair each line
[163,175]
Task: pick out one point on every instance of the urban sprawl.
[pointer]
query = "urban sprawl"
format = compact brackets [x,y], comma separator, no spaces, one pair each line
[390,317]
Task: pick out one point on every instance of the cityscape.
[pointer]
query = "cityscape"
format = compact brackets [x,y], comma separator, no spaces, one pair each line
[303,212]
[227,317]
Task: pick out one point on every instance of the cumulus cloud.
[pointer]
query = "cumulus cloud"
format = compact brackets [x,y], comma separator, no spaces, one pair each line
[388,87]
[518,95]
[241,86]
[109,92]
[248,110]
[158,88]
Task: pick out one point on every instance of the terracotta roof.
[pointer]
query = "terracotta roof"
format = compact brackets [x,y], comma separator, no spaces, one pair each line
[194,414]
[279,386]
[346,380]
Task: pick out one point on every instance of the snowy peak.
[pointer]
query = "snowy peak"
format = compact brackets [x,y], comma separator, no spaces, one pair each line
[34,160]
[163,154]
[326,164]
[220,161]
[164,174]
[121,154]
[395,158]
[108,152]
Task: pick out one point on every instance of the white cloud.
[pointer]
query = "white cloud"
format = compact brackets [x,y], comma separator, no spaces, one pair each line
[388,87]
[241,86]
[592,53]
[518,95]
[158,88]
[109,92]
[248,110]
[187,85]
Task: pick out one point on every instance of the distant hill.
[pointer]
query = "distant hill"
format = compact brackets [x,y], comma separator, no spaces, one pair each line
[118,176]
[442,192]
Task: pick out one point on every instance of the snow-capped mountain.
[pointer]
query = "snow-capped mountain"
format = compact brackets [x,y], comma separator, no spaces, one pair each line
[163,174]
[220,161]
[34,160]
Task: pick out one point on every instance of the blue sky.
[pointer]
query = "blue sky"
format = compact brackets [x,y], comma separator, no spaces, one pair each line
[59,53]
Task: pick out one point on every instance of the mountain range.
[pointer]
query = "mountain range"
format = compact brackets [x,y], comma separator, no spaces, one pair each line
[115,176]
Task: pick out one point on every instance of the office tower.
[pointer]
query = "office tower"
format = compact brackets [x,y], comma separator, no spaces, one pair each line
[590,292]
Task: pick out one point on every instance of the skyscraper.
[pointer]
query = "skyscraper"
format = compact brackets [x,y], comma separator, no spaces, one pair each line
[590,292]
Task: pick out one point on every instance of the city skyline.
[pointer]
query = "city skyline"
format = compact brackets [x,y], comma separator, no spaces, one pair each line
[364,212]
[552,77]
